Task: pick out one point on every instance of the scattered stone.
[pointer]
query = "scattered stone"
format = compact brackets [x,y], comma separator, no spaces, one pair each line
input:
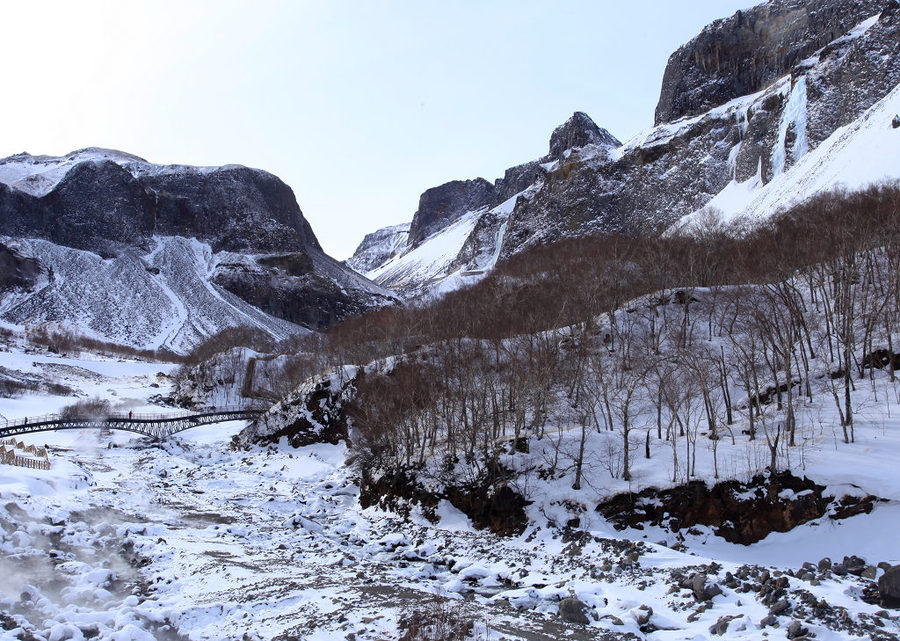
[839,569]
[574,611]
[642,614]
[721,626]
[700,589]
[824,564]
[780,607]
[895,122]
[870,572]
[854,565]
[768,620]
[796,630]
[613,619]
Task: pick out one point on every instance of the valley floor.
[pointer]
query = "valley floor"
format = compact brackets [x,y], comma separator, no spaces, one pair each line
[126,539]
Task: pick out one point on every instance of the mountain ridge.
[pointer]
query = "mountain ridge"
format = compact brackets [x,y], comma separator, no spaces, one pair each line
[243,238]
[678,167]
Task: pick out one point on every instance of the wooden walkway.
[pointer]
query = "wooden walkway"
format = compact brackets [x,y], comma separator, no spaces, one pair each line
[155,425]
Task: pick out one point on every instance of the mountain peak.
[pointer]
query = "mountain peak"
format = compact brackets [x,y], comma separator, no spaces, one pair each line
[579,131]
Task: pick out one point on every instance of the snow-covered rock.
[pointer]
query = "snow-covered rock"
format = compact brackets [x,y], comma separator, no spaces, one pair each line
[163,255]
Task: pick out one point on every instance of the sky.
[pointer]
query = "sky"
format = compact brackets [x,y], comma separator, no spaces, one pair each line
[358,106]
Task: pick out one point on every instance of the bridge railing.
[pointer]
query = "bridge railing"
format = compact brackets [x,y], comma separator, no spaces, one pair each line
[131,416]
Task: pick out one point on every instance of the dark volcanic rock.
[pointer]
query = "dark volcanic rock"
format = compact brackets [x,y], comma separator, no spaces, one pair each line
[739,513]
[852,75]
[440,206]
[312,413]
[234,208]
[98,206]
[17,271]
[297,294]
[517,179]
[573,611]
[578,131]
[104,204]
[739,55]
[114,204]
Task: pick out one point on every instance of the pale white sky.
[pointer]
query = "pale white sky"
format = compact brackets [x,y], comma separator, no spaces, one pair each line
[358,106]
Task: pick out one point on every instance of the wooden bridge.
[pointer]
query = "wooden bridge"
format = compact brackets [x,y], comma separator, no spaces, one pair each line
[155,425]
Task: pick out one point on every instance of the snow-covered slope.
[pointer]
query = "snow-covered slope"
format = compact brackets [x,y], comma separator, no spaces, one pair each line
[860,154]
[163,298]
[38,175]
[458,254]
[379,247]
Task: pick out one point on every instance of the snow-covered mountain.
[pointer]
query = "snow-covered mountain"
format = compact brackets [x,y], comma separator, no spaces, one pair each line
[862,153]
[111,245]
[741,107]
[458,230]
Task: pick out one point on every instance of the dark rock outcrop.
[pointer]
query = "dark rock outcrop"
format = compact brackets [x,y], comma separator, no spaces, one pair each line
[517,179]
[850,74]
[235,208]
[738,512]
[574,611]
[17,272]
[105,203]
[307,299]
[741,54]
[114,204]
[312,413]
[441,206]
[578,131]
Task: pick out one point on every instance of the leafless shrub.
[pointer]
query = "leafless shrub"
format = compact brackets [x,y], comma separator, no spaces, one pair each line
[438,619]
[91,408]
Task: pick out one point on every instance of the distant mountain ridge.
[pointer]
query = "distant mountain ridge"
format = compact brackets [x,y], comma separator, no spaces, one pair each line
[740,104]
[103,199]
[235,233]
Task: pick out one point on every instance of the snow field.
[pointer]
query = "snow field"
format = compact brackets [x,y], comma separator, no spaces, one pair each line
[189,539]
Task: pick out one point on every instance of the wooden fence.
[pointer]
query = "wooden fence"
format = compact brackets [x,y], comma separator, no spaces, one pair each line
[39,459]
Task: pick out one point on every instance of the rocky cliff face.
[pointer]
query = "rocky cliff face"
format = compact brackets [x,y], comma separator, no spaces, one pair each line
[106,202]
[441,206]
[96,199]
[741,105]
[740,55]
[376,248]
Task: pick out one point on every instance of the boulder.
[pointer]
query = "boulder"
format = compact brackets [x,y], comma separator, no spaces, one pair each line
[703,591]
[855,565]
[721,626]
[642,614]
[889,587]
[574,611]
[796,629]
